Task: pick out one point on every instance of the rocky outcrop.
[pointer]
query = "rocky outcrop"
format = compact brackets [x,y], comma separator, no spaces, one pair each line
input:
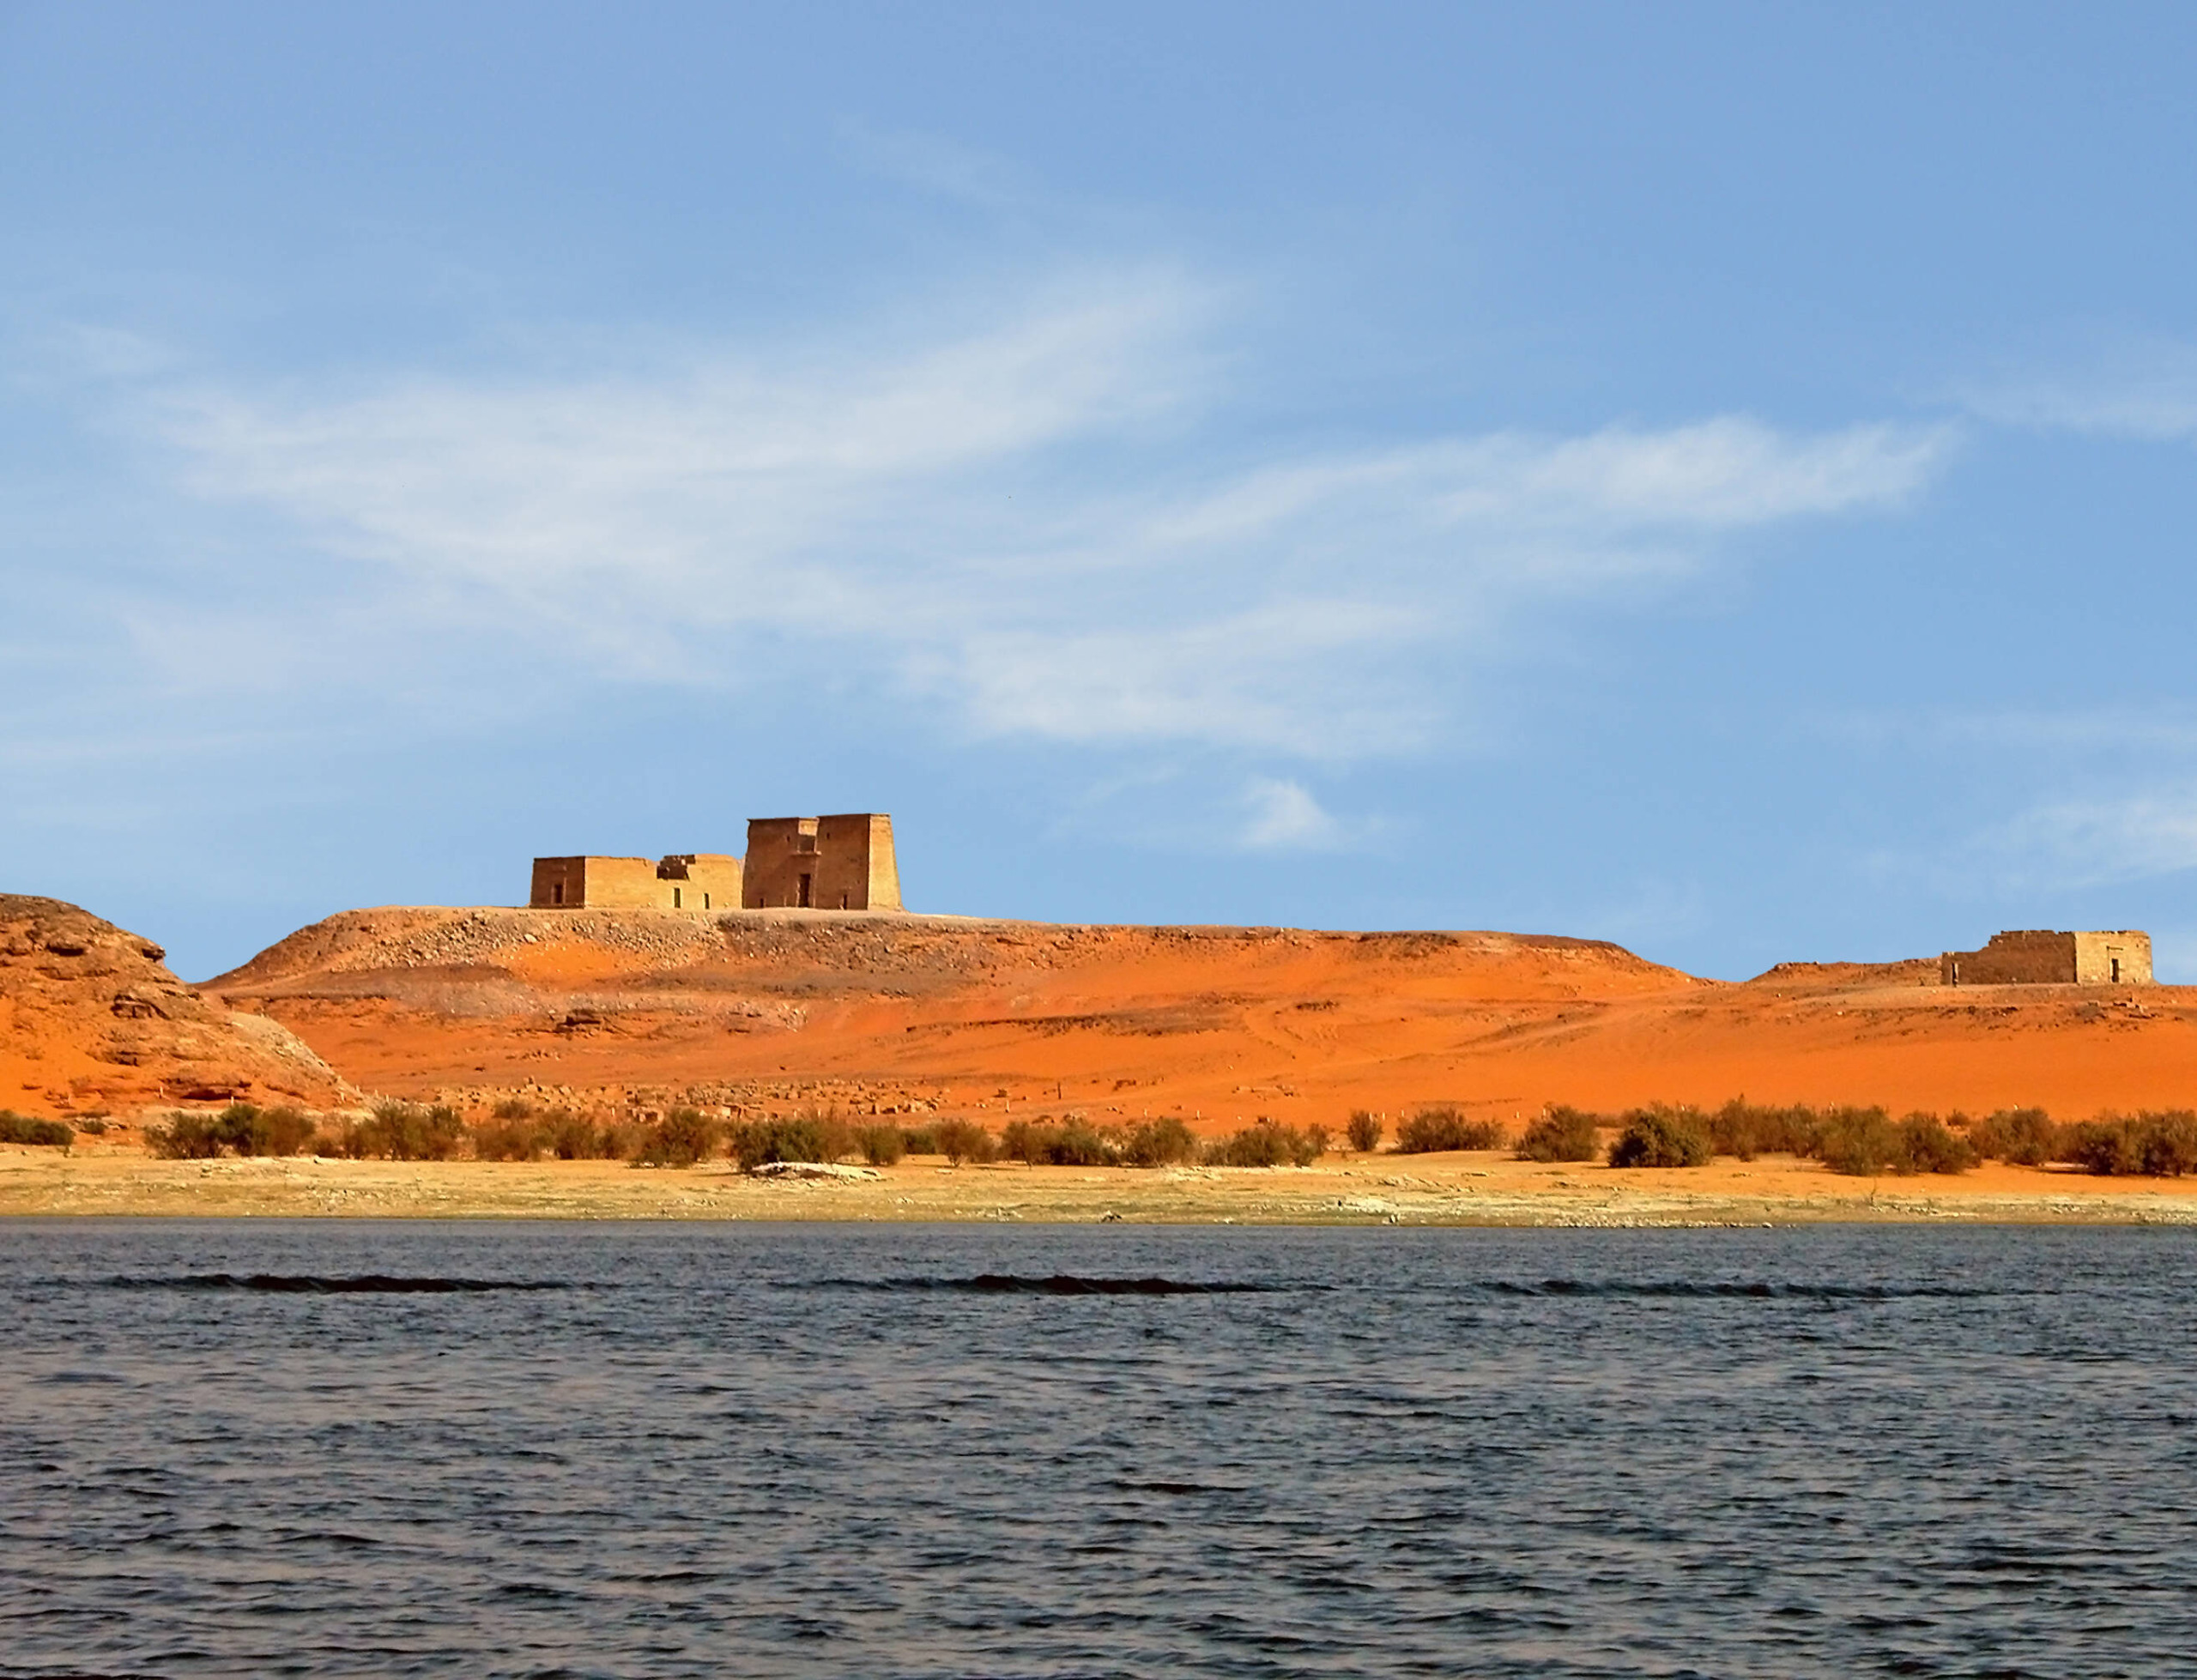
[92,1020]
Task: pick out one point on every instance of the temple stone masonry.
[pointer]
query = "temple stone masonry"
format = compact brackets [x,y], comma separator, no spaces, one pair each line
[822,863]
[2037,957]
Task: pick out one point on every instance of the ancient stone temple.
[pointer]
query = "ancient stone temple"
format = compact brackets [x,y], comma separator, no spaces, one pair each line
[2037,957]
[819,863]
[683,881]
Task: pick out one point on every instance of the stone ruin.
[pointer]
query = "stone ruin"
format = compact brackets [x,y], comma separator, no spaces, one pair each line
[844,862]
[2039,957]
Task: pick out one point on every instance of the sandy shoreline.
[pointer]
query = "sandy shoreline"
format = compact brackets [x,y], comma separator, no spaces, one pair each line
[1460,1189]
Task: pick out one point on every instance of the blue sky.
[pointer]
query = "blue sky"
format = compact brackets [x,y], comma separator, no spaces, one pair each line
[1715,478]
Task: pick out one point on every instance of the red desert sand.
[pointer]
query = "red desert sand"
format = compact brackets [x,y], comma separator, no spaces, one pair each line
[914,1018]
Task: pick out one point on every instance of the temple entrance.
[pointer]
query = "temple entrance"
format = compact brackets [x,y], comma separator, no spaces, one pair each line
[807,885]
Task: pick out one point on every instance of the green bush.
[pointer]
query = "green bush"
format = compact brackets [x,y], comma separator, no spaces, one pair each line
[1747,1129]
[1927,1145]
[16,1128]
[399,1132]
[242,1127]
[1166,1142]
[1268,1143]
[1858,1141]
[680,1140]
[922,1140]
[571,1136]
[1364,1131]
[2019,1137]
[1066,1142]
[809,1136]
[255,1131]
[185,1137]
[2170,1143]
[882,1145]
[1561,1135]
[960,1140]
[1444,1128]
[513,1108]
[1658,1136]
[2152,1145]
[508,1138]
[1861,1142]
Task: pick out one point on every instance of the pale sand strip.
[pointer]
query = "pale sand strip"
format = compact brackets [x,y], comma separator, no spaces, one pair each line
[1435,1190]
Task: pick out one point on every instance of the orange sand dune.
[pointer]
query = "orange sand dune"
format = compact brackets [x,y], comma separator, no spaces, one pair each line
[1220,1024]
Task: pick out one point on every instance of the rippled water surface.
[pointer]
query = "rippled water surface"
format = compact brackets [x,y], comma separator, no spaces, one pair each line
[345,1448]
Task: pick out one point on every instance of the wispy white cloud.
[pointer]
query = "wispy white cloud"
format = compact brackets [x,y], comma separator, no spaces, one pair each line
[2146,389]
[1017,520]
[2164,727]
[2091,843]
[1284,816]
[949,168]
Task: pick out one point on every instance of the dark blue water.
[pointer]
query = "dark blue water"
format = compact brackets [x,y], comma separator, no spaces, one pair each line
[296,1448]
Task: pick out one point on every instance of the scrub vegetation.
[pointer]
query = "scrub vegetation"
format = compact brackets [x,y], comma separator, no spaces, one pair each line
[16,1128]
[1445,1128]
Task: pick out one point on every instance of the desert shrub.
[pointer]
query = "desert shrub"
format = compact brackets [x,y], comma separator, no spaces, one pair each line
[2019,1137]
[1747,1129]
[1862,1141]
[921,1139]
[1065,1143]
[399,1132]
[1928,1144]
[16,1128]
[2150,1144]
[1166,1142]
[810,1136]
[1268,1143]
[829,1133]
[94,1124]
[1658,1136]
[1445,1127]
[1561,1135]
[513,1108]
[185,1137]
[882,1145]
[507,1138]
[2105,1146]
[1858,1141]
[1364,1130]
[2170,1143]
[960,1140]
[680,1140]
[571,1136]
[251,1130]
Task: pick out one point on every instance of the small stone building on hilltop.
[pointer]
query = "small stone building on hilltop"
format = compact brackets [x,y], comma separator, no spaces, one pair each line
[2037,957]
[683,881]
[821,863]
[824,863]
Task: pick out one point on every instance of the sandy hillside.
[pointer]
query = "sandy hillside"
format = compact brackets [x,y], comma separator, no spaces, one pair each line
[1219,1025]
[92,1021]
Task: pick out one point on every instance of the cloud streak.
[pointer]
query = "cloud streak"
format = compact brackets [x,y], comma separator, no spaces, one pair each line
[2145,392]
[1018,523]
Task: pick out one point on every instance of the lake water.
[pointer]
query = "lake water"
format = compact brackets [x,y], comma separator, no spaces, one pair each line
[264,1448]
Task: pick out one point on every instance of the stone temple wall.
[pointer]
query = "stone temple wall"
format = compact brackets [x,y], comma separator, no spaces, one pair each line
[2040,956]
[843,862]
[684,881]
